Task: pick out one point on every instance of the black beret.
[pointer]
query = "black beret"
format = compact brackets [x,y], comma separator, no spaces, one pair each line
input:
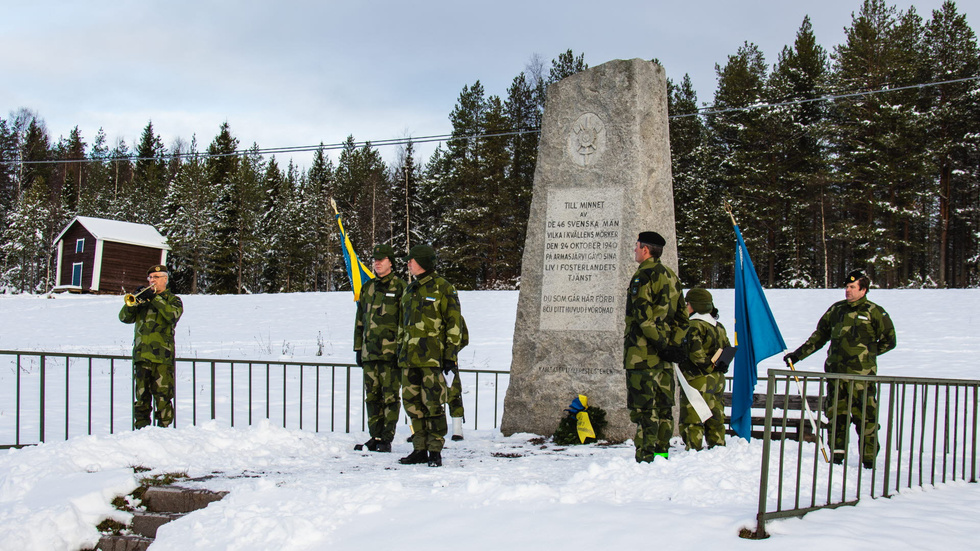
[652,238]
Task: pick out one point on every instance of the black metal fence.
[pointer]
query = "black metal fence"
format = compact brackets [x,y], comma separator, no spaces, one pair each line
[48,395]
[927,435]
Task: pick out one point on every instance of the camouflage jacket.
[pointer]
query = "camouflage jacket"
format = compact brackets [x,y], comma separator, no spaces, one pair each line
[376,325]
[431,330]
[155,321]
[656,316]
[703,338]
[858,332]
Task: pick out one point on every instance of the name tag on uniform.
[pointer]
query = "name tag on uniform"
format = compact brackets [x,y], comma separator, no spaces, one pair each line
[430,299]
[389,294]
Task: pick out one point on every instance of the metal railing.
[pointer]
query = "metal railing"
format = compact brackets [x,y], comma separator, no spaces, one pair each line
[927,433]
[46,395]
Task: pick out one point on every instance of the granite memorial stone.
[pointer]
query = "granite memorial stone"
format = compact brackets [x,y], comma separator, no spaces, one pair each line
[603,176]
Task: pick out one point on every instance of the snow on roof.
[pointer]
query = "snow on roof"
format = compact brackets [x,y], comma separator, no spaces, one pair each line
[116,231]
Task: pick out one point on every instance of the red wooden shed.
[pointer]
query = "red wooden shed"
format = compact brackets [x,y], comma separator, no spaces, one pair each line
[95,255]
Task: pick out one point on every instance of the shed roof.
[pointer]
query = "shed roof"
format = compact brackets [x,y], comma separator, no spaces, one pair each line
[117,231]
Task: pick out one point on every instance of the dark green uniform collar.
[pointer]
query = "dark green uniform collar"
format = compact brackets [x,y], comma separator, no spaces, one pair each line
[649,263]
[424,277]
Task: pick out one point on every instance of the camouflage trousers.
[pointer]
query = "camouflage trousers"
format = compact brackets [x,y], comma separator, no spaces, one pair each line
[846,405]
[424,395]
[712,388]
[650,398]
[456,397]
[153,386]
[382,381]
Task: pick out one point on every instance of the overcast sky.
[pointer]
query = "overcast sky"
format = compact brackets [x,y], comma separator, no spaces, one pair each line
[294,73]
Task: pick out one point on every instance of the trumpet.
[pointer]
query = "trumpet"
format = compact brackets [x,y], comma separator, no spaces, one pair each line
[143,294]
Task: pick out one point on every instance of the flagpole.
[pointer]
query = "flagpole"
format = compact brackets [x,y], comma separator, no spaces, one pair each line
[809,415]
[799,386]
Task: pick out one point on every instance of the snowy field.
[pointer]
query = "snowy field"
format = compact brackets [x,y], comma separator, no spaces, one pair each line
[294,489]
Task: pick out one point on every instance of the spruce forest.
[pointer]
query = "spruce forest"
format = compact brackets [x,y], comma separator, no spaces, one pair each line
[862,155]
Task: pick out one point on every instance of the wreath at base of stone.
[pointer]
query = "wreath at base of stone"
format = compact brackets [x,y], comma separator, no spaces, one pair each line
[567,432]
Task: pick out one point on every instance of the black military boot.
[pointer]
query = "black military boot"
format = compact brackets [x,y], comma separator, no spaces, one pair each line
[371,445]
[384,447]
[435,459]
[414,458]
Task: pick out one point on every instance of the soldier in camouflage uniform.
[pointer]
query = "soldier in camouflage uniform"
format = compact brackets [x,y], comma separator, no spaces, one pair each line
[656,320]
[429,339]
[705,336]
[375,347]
[154,350]
[859,331]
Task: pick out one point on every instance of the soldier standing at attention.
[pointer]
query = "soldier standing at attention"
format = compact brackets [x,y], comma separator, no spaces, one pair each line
[656,320]
[859,331]
[705,336]
[429,338]
[154,349]
[375,347]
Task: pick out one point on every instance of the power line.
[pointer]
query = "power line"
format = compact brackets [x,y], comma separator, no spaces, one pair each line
[709,110]
[703,111]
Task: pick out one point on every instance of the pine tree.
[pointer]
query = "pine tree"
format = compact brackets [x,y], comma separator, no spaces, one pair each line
[361,191]
[95,198]
[221,167]
[189,228]
[697,203]
[27,242]
[798,129]
[121,175]
[743,151]
[273,229]
[461,192]
[149,178]
[524,119]
[323,232]
[406,205]
[879,146]
[71,174]
[35,152]
[951,115]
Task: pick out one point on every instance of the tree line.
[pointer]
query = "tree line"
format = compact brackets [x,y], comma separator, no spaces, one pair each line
[830,161]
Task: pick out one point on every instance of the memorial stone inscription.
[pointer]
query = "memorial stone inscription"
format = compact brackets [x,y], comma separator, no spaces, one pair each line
[581,260]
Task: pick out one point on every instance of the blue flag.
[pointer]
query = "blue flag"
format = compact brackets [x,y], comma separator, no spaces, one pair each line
[356,270]
[756,336]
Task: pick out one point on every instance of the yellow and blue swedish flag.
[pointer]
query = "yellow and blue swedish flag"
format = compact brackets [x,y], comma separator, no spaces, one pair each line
[356,270]
[583,425]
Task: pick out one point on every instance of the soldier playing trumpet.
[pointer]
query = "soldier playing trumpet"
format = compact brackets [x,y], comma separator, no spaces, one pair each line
[155,315]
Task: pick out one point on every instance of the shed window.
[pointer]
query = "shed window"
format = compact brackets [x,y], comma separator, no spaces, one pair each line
[80,245]
[76,274]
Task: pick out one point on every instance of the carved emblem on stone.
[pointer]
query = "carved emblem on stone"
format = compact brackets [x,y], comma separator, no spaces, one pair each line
[587,140]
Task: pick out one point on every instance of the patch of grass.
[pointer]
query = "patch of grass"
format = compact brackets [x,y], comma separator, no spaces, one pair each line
[749,534]
[110,527]
[163,479]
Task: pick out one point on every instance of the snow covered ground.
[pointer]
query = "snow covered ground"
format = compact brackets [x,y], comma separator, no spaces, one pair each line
[295,489]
